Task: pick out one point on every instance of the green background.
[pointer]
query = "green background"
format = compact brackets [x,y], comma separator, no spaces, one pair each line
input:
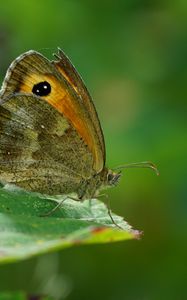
[132,56]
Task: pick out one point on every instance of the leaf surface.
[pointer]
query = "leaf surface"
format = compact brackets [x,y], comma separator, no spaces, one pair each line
[25,233]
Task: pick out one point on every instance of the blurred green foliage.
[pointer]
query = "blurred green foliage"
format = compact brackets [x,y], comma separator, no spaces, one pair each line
[22,296]
[132,56]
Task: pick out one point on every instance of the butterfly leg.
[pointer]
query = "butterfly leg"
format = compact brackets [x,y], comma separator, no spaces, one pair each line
[57,206]
[109,209]
[54,208]
[98,196]
[110,215]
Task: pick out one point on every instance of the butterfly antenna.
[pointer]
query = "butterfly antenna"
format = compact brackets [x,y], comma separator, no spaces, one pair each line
[143,164]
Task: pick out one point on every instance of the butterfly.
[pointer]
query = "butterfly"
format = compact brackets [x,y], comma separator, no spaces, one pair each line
[51,141]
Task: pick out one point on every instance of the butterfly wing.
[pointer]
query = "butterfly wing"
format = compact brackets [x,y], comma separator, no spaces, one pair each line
[48,144]
[68,95]
[65,67]
[40,150]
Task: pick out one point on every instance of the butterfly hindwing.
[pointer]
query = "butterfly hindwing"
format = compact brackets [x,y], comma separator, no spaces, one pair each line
[39,150]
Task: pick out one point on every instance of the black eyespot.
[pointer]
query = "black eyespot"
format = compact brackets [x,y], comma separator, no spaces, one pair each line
[42,88]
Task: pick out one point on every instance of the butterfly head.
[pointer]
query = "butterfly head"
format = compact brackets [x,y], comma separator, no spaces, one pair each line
[113,178]
[109,177]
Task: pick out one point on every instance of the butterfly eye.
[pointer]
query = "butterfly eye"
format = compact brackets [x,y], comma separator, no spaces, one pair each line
[42,88]
[113,178]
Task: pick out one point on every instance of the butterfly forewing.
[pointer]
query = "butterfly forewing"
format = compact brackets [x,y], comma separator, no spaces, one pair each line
[65,67]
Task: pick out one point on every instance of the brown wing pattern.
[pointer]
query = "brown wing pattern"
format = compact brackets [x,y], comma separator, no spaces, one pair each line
[69,96]
[39,149]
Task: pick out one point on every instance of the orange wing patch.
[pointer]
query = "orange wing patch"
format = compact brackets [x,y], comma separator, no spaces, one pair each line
[67,104]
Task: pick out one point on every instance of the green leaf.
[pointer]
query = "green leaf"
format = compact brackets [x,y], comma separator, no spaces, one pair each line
[24,233]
